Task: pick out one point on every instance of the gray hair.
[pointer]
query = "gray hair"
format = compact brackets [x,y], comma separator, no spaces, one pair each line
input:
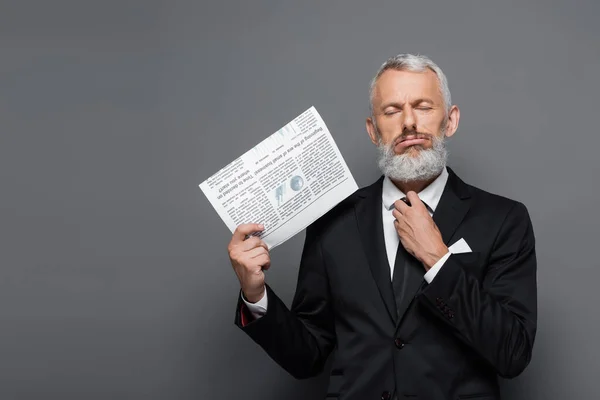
[413,63]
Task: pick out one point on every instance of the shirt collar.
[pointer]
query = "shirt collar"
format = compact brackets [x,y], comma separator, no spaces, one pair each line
[430,195]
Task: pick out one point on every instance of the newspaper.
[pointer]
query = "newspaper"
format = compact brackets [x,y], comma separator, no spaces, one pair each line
[286,182]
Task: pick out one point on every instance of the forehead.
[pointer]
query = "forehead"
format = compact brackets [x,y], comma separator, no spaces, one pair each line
[402,86]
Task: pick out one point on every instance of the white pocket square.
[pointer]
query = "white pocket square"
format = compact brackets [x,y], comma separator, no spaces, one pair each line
[460,246]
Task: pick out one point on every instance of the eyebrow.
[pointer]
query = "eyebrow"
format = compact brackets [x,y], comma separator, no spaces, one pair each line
[423,100]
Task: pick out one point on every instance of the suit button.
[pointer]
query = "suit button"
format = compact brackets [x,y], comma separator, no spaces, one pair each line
[399,344]
[386,395]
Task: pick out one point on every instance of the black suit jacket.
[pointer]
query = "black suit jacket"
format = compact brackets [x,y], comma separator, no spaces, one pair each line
[449,340]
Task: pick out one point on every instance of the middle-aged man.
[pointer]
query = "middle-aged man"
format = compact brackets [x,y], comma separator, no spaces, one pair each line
[424,285]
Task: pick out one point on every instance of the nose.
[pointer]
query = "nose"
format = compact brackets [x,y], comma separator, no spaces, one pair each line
[409,123]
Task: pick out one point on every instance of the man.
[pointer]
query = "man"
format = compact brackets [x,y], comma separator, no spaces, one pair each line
[424,286]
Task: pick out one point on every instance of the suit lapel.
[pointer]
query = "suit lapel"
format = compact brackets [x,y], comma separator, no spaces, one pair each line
[370,226]
[453,206]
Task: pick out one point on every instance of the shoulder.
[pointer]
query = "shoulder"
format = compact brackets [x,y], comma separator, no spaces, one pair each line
[346,208]
[507,220]
[495,204]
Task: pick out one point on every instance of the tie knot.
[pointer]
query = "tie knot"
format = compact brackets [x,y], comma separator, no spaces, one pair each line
[406,201]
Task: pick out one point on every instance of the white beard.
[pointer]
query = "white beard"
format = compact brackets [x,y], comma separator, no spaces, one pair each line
[408,168]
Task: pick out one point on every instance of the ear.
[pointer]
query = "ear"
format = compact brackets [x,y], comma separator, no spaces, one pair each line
[372,131]
[452,123]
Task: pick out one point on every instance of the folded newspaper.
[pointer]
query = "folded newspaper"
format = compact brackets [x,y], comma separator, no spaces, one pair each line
[286,182]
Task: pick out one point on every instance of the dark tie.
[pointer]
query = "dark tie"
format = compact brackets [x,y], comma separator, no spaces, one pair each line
[398,282]
[401,265]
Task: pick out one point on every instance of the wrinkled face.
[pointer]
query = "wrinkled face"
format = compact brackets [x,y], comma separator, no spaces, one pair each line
[409,112]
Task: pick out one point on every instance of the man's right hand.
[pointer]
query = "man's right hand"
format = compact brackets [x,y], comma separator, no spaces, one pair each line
[249,257]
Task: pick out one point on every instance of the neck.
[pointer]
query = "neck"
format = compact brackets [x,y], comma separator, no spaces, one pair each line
[415,186]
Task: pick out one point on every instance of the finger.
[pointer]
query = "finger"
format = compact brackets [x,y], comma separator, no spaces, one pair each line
[259,251]
[252,243]
[264,261]
[399,222]
[244,230]
[400,226]
[414,199]
[398,215]
[401,205]
[399,230]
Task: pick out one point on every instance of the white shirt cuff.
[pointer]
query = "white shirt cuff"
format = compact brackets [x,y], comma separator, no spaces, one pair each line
[259,308]
[429,275]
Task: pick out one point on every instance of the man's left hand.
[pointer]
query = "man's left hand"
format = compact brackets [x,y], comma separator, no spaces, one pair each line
[418,233]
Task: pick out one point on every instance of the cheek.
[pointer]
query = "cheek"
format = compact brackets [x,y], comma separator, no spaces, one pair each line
[389,130]
[431,123]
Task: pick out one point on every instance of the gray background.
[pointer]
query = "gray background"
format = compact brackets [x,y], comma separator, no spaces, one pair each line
[114,276]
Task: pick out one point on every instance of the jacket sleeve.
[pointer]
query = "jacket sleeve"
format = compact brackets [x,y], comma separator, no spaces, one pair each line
[497,315]
[301,339]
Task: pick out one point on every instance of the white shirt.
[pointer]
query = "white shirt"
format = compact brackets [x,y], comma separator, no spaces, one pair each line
[390,193]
